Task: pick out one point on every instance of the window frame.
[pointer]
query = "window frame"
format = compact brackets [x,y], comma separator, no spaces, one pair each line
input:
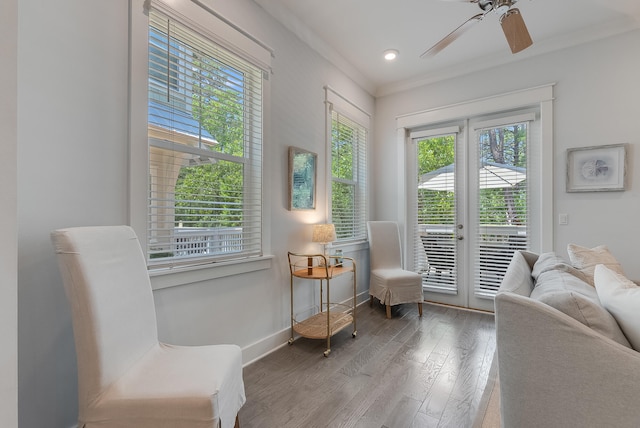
[229,37]
[336,103]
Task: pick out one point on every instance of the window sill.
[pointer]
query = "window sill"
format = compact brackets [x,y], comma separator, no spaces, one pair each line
[349,247]
[173,277]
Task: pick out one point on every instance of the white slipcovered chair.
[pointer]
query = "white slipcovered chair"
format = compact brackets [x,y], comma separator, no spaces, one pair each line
[388,281]
[126,377]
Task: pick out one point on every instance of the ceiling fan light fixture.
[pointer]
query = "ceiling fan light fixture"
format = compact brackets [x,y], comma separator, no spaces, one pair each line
[390,54]
[502,6]
[515,30]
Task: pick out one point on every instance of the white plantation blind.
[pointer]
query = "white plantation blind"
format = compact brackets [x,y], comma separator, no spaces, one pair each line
[349,134]
[503,199]
[435,209]
[205,111]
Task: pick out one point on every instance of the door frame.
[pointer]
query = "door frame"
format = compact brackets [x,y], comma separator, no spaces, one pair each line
[461,149]
[539,97]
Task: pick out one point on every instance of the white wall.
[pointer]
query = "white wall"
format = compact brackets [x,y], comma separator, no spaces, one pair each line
[72,131]
[72,155]
[8,215]
[596,102]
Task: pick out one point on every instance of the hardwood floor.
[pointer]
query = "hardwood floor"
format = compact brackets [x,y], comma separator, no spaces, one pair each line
[401,372]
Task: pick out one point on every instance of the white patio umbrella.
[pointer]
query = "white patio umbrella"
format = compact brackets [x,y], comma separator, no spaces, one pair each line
[492,176]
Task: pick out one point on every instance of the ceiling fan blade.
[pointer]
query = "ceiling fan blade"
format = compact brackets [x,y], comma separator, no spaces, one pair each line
[452,36]
[515,30]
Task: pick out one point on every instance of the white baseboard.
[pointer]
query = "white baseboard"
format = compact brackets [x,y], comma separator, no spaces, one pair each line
[264,347]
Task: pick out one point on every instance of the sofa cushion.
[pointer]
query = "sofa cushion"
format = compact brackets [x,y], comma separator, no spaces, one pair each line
[517,279]
[554,280]
[587,311]
[550,261]
[586,259]
[621,297]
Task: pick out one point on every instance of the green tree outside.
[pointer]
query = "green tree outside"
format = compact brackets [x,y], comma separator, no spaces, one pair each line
[502,206]
[343,189]
[211,195]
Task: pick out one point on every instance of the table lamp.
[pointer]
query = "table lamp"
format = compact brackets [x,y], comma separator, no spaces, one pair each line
[323,234]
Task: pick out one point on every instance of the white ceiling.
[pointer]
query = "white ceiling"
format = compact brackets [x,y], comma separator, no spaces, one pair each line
[353,34]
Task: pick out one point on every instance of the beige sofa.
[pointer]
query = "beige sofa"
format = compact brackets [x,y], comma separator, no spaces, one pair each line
[563,359]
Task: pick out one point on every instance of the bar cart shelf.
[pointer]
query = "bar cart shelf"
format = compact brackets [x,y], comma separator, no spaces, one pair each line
[332,317]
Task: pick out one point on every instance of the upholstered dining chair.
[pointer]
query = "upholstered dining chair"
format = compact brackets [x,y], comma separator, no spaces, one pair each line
[389,282]
[126,377]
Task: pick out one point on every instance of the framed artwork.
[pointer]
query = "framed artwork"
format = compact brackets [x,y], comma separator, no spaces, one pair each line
[597,168]
[302,179]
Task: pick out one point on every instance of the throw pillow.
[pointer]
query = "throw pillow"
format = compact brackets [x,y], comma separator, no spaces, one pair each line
[517,279]
[621,297]
[586,259]
[529,257]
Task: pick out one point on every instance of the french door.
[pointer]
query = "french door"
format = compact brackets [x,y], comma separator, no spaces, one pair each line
[469,205]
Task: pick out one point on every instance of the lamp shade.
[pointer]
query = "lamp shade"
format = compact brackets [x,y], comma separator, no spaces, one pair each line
[324,233]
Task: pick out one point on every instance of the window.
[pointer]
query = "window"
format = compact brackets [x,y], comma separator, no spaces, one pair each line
[434,205]
[348,169]
[205,107]
[502,206]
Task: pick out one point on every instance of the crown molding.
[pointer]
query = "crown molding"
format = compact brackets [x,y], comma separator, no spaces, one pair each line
[311,39]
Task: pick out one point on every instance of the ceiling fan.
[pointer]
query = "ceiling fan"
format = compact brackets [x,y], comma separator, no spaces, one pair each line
[511,21]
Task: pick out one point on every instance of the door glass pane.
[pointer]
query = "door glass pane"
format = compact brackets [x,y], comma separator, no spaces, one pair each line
[435,252]
[502,203]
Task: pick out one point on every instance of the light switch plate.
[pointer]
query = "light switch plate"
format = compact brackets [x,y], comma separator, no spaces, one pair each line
[563,218]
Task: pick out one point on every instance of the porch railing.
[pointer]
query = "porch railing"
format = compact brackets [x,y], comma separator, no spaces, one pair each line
[190,241]
[494,246]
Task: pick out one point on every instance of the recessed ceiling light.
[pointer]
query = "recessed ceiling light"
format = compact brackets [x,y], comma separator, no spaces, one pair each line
[390,54]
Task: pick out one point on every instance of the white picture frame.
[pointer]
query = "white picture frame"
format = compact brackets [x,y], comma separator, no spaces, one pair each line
[597,168]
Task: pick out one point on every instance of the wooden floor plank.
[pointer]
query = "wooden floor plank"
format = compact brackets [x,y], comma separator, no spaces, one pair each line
[405,371]
[403,414]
